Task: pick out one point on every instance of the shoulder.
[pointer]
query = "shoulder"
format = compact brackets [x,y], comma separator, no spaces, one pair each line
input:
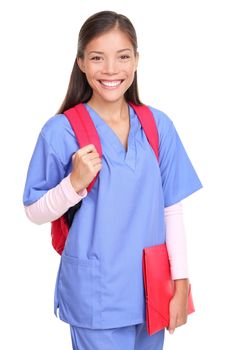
[59,135]
[163,122]
[57,125]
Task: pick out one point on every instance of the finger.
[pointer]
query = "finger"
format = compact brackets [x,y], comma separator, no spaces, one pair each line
[172,324]
[88,155]
[181,320]
[96,163]
[92,155]
[87,149]
[171,330]
[73,156]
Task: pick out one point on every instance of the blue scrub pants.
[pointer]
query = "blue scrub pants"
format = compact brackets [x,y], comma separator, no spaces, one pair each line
[133,337]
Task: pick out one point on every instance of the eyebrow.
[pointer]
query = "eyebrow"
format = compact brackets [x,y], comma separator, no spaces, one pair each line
[100,52]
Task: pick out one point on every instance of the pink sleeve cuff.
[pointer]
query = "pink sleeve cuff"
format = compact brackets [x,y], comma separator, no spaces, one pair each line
[71,194]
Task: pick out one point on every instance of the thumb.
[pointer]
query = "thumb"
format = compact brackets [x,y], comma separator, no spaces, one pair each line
[172,323]
[73,156]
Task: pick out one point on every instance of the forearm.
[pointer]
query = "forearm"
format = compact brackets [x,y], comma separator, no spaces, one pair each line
[54,203]
[181,286]
[176,243]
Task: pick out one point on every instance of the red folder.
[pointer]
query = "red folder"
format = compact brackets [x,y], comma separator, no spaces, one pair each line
[159,287]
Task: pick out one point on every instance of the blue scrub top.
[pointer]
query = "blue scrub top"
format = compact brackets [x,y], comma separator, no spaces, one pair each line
[100,281]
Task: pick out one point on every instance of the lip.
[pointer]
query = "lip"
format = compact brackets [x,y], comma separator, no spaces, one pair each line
[109,81]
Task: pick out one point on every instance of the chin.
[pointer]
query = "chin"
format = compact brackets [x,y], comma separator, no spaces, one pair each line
[109,98]
[113,99]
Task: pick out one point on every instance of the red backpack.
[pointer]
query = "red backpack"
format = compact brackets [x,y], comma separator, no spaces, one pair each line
[86,133]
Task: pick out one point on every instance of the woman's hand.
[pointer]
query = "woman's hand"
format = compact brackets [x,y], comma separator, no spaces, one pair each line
[86,163]
[178,307]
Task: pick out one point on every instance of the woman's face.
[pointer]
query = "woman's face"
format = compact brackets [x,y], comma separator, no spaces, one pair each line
[109,64]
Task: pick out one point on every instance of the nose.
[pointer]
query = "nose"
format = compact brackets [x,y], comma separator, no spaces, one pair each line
[110,66]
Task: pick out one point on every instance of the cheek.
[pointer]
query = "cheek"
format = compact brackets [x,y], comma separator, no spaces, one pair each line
[130,68]
[92,71]
[90,74]
[130,73]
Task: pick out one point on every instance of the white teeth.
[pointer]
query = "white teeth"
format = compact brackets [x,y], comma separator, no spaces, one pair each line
[112,83]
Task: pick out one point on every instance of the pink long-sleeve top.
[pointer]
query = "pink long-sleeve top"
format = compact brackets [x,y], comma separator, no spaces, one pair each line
[55,202]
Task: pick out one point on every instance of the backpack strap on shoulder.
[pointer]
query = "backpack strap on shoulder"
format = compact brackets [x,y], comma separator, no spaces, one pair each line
[84,129]
[148,123]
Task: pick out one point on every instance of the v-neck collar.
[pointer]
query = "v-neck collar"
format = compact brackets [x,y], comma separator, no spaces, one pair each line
[129,156]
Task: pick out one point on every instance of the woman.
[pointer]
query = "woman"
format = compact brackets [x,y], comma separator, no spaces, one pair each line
[133,203]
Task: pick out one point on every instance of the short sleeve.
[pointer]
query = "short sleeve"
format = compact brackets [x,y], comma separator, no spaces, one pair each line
[179,178]
[45,171]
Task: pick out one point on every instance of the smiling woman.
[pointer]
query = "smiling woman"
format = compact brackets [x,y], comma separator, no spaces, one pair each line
[107,60]
[112,69]
[99,289]
[109,68]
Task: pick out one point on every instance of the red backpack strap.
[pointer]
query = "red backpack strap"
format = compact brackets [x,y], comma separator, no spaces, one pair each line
[85,133]
[84,129]
[148,123]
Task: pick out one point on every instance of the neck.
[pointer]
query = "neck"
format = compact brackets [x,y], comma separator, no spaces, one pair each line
[111,111]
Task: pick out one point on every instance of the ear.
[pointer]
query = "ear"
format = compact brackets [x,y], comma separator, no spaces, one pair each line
[81,64]
[136,60]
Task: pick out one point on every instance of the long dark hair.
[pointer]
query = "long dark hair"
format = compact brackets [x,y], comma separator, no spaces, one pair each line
[101,22]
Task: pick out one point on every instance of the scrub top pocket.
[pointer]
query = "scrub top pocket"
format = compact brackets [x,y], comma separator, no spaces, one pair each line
[76,289]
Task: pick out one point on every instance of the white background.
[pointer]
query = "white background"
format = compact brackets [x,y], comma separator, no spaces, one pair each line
[186,71]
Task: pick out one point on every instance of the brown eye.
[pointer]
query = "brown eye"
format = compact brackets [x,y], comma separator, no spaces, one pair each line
[96,58]
[125,56]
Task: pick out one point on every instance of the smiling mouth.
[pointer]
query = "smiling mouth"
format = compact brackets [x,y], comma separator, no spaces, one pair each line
[111,83]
